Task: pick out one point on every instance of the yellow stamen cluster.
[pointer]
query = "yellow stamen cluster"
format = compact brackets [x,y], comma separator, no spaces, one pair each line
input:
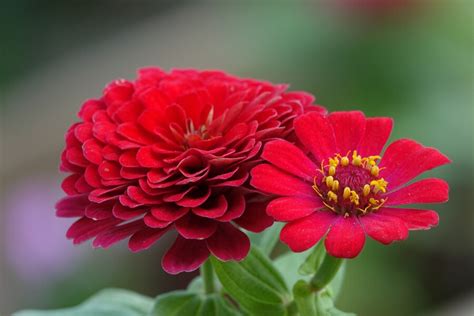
[361,199]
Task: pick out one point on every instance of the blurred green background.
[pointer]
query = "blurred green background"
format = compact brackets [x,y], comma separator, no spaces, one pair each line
[414,63]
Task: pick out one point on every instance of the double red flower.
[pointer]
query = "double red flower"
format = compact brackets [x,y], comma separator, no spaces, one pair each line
[172,151]
[334,182]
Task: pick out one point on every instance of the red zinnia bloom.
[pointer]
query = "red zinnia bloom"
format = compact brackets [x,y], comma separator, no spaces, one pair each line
[172,151]
[340,188]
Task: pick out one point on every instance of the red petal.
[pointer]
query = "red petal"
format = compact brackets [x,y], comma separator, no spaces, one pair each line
[195,197]
[289,158]
[405,159]
[117,233]
[99,211]
[255,219]
[228,243]
[135,134]
[72,206]
[146,157]
[109,170]
[346,238]
[195,227]
[68,184]
[92,177]
[349,127]
[213,208]
[168,212]
[315,132]
[92,151]
[74,155]
[185,255]
[304,233]
[291,208]
[424,191]
[143,239]
[272,180]
[86,228]
[413,218]
[126,213]
[384,229]
[377,132]
[154,222]
[236,208]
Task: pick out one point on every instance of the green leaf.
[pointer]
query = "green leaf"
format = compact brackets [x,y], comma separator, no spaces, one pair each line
[313,261]
[334,287]
[185,303]
[254,283]
[267,239]
[109,302]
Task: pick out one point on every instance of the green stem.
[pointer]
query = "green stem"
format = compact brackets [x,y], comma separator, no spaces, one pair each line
[326,272]
[207,274]
[304,298]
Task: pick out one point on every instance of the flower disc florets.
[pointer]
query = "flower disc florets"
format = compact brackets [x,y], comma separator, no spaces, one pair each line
[351,184]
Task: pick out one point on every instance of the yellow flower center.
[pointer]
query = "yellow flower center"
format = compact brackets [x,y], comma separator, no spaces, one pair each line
[350,184]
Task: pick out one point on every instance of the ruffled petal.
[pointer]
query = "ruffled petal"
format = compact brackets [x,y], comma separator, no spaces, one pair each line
[304,233]
[384,229]
[195,227]
[185,255]
[315,132]
[117,233]
[272,180]
[255,218]
[424,191]
[289,158]
[346,238]
[414,219]
[348,127]
[228,243]
[405,159]
[291,208]
[377,132]
[145,238]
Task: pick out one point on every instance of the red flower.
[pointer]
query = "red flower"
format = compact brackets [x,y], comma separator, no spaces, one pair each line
[173,151]
[339,188]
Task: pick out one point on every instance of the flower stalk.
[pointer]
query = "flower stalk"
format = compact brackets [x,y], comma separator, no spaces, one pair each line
[207,274]
[304,298]
[326,272]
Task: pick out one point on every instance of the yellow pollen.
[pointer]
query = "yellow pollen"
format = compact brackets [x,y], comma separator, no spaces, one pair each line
[373,201]
[332,170]
[334,161]
[354,198]
[374,171]
[332,196]
[356,159]
[366,190]
[346,193]
[335,185]
[344,161]
[329,181]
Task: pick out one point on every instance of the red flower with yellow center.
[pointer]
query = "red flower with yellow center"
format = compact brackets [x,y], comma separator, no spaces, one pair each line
[336,182]
[173,151]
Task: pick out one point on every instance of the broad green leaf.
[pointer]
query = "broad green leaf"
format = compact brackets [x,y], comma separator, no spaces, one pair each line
[313,261]
[185,303]
[254,283]
[109,302]
[267,239]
